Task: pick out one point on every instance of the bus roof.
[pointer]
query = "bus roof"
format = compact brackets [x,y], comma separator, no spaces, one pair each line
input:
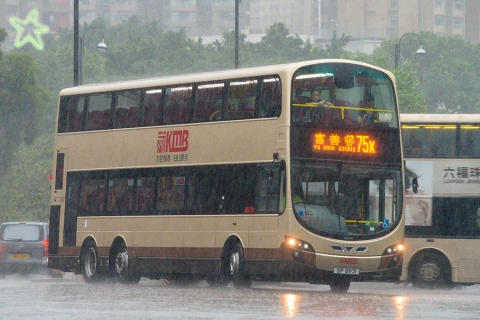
[206,76]
[439,118]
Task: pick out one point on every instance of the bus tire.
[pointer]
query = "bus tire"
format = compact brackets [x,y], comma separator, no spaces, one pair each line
[120,267]
[430,270]
[340,283]
[90,262]
[235,267]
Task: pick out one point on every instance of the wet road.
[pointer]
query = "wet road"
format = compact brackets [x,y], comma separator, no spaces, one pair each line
[70,298]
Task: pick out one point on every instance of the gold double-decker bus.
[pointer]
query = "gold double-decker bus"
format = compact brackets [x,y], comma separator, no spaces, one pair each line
[231,176]
[442,220]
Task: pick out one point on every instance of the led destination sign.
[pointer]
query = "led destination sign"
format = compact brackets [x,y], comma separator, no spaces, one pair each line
[344,143]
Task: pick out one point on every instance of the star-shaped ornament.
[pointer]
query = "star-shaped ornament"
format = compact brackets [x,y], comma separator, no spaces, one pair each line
[29,30]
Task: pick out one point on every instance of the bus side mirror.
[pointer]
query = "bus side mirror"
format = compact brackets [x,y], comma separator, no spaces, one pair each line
[415,185]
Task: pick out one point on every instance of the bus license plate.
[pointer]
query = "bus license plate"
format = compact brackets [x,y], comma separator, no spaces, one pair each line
[340,270]
[19,256]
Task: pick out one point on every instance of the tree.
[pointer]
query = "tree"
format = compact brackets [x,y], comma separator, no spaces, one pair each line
[450,74]
[334,50]
[25,190]
[278,46]
[410,100]
[21,103]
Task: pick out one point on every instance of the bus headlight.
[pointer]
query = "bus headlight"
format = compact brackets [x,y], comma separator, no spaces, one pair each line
[395,249]
[392,258]
[298,244]
[301,251]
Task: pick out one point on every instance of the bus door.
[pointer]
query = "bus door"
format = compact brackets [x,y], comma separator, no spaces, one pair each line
[57,205]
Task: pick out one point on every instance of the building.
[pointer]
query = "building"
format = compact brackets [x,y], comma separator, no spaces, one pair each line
[367,22]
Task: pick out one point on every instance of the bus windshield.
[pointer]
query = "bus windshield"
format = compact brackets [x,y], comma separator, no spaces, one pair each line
[352,201]
[344,94]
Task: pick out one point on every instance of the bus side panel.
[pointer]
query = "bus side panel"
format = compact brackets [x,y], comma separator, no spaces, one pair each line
[468,260]
[415,246]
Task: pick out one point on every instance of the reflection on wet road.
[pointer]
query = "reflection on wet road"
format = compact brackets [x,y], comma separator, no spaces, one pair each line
[41,298]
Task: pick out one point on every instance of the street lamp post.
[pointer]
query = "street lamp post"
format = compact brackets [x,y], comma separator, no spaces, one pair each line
[237,7]
[420,51]
[75,42]
[102,47]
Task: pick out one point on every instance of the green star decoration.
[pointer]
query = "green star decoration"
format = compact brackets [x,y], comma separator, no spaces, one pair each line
[29,30]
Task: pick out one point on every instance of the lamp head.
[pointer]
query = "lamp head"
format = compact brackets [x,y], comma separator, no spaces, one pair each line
[421,51]
[102,47]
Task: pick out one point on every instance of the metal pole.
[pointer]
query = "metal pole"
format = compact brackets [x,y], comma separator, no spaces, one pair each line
[237,5]
[80,61]
[397,54]
[75,43]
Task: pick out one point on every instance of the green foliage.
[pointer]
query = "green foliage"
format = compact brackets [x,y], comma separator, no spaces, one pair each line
[450,74]
[333,50]
[21,103]
[277,46]
[410,100]
[25,189]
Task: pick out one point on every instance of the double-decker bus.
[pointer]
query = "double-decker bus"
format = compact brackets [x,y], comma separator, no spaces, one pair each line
[231,176]
[442,221]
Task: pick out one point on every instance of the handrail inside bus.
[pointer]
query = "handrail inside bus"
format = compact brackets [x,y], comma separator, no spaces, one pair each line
[371,222]
[342,108]
[212,117]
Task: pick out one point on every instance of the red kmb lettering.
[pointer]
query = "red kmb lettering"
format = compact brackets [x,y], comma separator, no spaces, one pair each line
[349,260]
[172,141]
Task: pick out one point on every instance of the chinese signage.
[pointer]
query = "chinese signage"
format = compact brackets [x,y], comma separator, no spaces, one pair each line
[344,143]
[469,174]
[172,146]
[439,178]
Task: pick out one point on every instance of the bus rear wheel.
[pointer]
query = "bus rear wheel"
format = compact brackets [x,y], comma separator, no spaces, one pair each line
[430,271]
[121,270]
[234,268]
[340,283]
[90,263]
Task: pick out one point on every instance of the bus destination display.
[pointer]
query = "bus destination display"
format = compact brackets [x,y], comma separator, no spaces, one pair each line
[344,143]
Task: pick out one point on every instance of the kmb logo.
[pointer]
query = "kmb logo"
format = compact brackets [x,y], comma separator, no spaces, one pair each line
[172,141]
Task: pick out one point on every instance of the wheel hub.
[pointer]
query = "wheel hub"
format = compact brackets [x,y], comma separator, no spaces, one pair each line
[430,272]
[90,262]
[234,264]
[121,262]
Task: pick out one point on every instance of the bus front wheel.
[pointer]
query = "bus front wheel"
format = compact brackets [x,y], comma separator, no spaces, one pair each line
[234,268]
[430,271]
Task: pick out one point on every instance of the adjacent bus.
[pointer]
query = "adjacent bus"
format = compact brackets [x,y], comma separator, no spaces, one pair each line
[442,221]
[231,176]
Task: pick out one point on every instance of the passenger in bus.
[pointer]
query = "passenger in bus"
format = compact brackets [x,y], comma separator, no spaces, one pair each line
[269,104]
[367,116]
[315,111]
